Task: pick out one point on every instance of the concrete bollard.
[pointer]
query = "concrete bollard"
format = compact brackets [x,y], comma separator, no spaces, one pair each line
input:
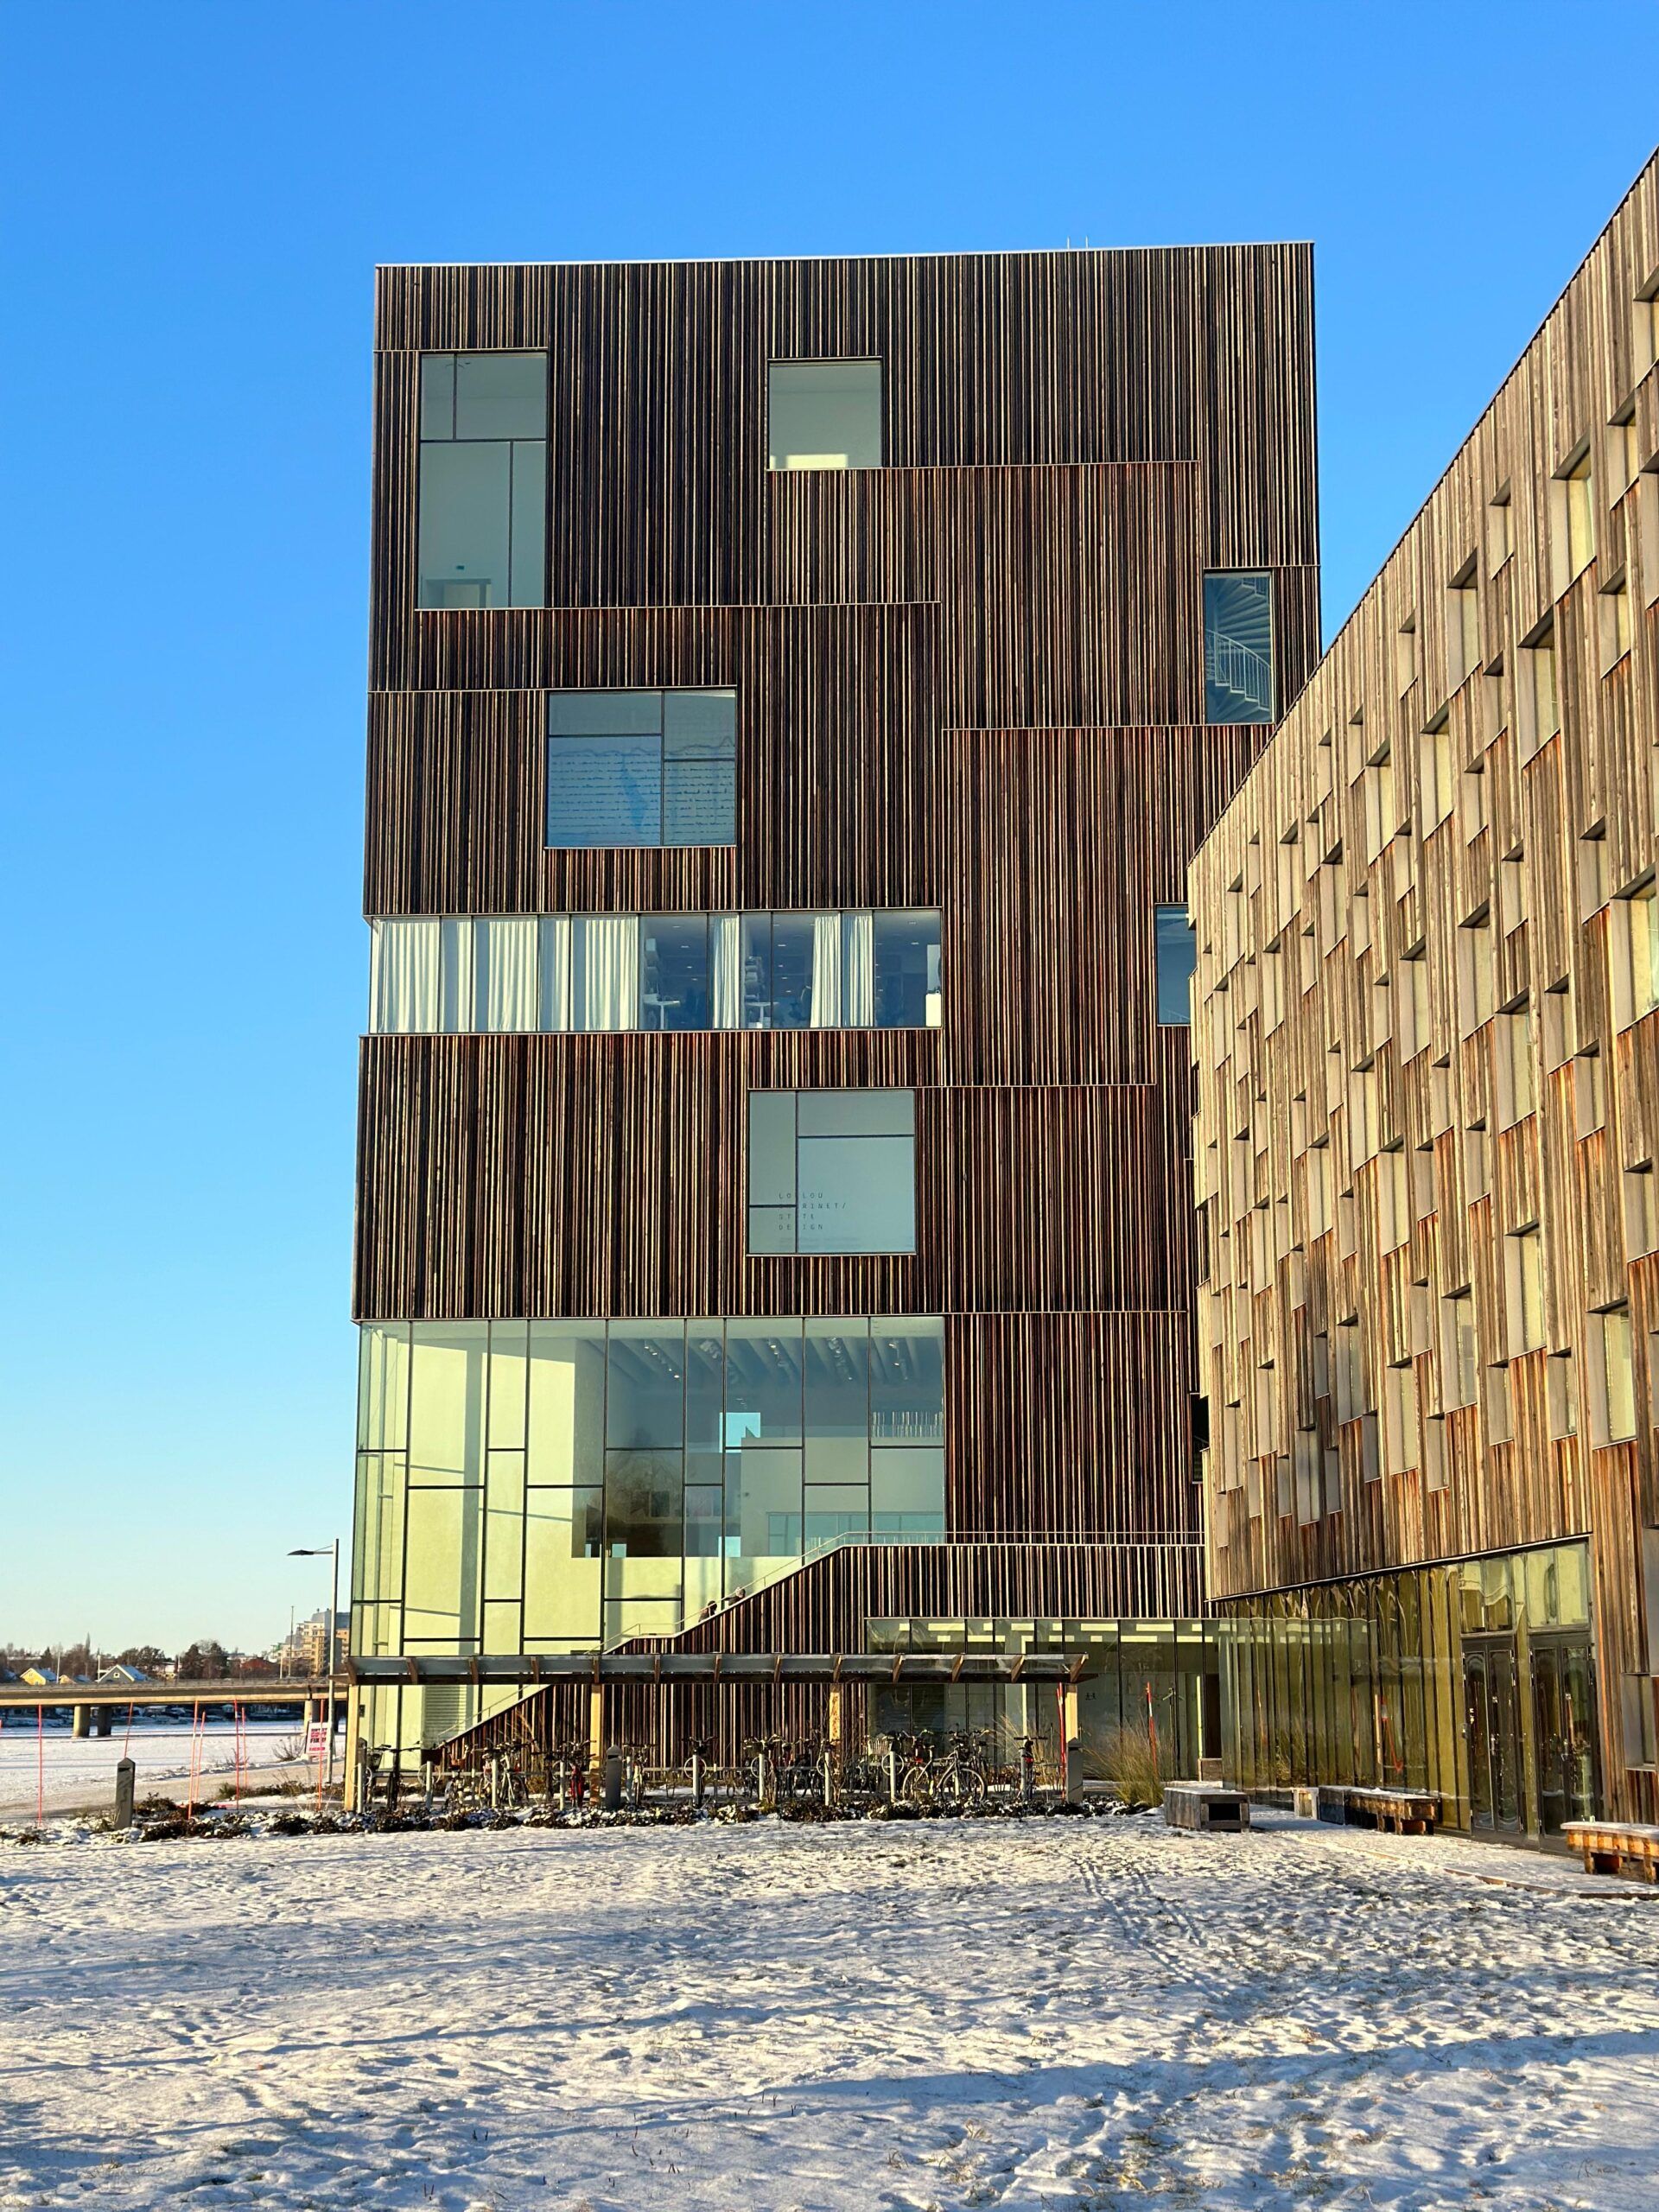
[1073,1772]
[125,1776]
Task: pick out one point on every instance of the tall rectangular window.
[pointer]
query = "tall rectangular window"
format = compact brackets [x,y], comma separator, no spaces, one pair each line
[1463,626]
[1176,951]
[641,768]
[823,414]
[482,528]
[832,1171]
[1238,667]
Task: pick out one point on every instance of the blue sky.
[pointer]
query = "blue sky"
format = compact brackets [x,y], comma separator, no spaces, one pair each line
[194,198]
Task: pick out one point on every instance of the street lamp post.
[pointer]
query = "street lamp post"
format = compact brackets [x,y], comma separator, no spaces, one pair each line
[323,1551]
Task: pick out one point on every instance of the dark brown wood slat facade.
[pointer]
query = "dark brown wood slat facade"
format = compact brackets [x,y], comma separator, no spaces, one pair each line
[970,681]
[1430,1085]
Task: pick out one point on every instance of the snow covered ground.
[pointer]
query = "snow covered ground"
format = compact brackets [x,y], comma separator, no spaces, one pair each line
[1062,2012]
[81,1770]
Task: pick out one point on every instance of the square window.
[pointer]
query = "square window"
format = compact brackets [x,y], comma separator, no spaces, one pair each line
[1238,661]
[832,1171]
[641,768]
[823,414]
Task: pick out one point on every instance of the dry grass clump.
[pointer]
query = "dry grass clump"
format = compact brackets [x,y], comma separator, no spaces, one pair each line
[1129,1758]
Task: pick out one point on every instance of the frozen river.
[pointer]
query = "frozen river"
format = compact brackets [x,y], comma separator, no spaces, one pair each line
[860,2017]
[78,1771]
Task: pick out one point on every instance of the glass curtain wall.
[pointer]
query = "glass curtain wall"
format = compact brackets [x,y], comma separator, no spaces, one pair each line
[558,1485]
[467,974]
[1155,1682]
[1366,1683]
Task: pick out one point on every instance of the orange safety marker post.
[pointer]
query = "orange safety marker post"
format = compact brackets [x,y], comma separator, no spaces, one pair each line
[40,1766]
[196,1754]
[127,1739]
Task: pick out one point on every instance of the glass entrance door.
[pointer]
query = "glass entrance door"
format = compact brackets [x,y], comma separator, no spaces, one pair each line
[1492,1716]
[1564,1728]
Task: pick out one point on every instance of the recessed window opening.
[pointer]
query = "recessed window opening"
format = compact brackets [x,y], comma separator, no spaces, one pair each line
[832,1171]
[823,414]
[1176,959]
[1238,648]
[482,498]
[641,768]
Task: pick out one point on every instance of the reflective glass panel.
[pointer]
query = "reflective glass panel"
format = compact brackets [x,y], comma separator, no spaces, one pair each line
[907,1381]
[705,1388]
[646,1384]
[836,1370]
[1238,681]
[792,937]
[604,790]
[642,1504]
[465,533]
[767,1501]
[824,413]
[763,1382]
[907,963]
[1177,954]
[498,396]
[856,1194]
[772,1147]
[674,975]
[446,1414]
[567,1402]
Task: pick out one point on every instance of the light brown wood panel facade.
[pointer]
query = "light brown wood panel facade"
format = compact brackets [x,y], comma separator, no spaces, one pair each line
[1427,1034]
[969,682]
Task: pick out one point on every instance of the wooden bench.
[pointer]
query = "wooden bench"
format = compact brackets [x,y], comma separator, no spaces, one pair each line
[1407,1812]
[1206,1805]
[1615,1847]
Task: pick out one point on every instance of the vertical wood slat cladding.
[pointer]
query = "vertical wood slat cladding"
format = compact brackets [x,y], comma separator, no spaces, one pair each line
[1095,618]
[1061,845]
[1047,1400]
[1332,866]
[838,754]
[490,1182]
[657,404]
[927,714]
[812,1611]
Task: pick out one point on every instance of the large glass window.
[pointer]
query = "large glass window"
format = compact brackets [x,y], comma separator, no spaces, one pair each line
[641,768]
[461,974]
[832,1171]
[548,1485]
[824,413]
[481,534]
[1176,950]
[1238,663]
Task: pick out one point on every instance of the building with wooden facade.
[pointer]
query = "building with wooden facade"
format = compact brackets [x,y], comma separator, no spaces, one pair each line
[797,691]
[1427,1021]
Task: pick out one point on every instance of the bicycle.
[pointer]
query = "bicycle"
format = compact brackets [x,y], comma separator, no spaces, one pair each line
[758,1776]
[954,1778]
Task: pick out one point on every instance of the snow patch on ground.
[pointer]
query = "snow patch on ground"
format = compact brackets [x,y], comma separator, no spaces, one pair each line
[830,2019]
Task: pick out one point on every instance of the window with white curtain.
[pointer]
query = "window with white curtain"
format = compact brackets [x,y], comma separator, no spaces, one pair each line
[458,975]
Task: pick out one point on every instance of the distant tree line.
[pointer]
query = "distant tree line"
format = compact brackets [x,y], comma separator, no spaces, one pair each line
[206,1660]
